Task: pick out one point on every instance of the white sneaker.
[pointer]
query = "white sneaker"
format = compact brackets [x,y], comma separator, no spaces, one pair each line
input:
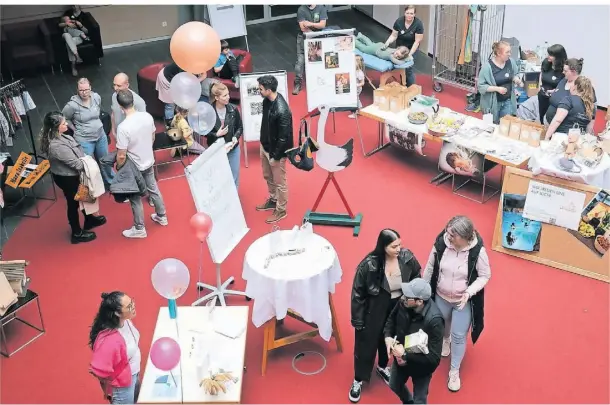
[159,220]
[134,233]
[150,202]
[354,392]
[352,116]
[446,347]
[454,384]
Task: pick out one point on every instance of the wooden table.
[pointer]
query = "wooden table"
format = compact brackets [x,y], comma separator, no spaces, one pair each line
[190,332]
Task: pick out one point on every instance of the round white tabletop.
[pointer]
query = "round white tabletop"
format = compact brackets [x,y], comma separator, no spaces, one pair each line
[299,281]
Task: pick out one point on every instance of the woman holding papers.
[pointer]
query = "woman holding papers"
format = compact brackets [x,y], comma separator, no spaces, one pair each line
[375,292]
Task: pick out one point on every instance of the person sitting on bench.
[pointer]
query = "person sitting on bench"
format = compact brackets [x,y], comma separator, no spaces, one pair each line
[227,66]
[398,56]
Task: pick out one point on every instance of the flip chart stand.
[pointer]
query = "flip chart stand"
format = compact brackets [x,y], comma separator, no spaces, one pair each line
[219,291]
[333,219]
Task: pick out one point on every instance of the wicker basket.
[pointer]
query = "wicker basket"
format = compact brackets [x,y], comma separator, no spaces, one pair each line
[599,247]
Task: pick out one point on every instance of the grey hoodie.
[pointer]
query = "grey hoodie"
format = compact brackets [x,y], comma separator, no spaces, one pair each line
[86,120]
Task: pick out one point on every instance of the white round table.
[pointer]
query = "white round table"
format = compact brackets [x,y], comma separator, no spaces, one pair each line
[301,282]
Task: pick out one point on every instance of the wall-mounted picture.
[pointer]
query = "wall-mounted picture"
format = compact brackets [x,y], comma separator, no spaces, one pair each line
[252,89]
[462,161]
[256,108]
[345,43]
[594,226]
[342,83]
[406,140]
[518,233]
[314,51]
[331,60]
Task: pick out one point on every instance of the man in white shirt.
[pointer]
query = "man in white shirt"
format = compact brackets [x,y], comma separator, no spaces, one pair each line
[135,138]
[121,82]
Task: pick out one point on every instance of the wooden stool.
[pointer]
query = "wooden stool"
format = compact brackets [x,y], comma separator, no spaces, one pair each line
[271,343]
[385,76]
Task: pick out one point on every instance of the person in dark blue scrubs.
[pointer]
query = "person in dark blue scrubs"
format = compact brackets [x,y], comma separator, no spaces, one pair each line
[576,110]
[550,76]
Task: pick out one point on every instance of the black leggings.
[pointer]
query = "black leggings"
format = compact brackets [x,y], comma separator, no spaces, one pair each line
[69,185]
[230,69]
[543,106]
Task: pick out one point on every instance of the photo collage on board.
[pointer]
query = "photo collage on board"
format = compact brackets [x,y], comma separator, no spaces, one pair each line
[518,233]
[331,59]
[594,227]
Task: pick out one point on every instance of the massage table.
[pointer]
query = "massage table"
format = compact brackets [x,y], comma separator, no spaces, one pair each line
[385,67]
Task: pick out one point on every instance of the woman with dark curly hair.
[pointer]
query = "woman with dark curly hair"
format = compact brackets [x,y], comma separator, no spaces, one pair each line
[115,340]
[65,155]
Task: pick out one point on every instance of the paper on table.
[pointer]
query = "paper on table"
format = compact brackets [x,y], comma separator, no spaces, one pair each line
[165,387]
[226,327]
[553,205]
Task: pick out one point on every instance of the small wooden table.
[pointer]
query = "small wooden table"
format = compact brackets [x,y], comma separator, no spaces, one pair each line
[270,342]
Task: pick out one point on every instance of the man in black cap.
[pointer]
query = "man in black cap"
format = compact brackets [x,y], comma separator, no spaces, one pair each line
[413,312]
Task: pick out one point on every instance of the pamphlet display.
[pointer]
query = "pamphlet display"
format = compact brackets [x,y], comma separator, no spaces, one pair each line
[252,102]
[330,69]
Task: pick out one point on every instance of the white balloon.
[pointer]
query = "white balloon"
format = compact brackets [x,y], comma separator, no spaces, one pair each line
[185,90]
[202,118]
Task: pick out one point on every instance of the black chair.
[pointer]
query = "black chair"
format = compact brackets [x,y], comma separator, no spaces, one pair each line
[26,45]
[90,51]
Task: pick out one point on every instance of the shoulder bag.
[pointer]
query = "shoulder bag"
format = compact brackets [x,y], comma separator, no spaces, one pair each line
[301,157]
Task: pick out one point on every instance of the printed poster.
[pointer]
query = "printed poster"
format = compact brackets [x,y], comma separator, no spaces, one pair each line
[518,233]
[455,159]
[553,205]
[594,226]
[405,139]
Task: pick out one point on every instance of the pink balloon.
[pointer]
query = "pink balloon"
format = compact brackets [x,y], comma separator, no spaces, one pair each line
[202,225]
[165,354]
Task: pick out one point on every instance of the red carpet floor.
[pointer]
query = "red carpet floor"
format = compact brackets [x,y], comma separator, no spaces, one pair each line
[546,337]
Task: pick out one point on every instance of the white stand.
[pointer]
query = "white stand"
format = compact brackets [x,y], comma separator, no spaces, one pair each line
[219,291]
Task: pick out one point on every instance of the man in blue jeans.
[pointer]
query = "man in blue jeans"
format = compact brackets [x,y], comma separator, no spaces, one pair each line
[82,114]
[414,311]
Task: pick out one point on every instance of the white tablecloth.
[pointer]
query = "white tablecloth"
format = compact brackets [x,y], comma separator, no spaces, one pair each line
[300,282]
[599,176]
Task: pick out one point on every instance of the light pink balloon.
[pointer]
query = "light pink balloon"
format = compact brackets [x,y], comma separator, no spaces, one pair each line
[165,354]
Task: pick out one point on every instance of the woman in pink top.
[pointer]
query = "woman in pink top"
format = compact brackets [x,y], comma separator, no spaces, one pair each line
[115,343]
[458,270]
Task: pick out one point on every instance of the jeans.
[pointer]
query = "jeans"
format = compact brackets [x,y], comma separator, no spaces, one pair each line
[411,73]
[69,186]
[275,176]
[126,395]
[168,112]
[504,109]
[398,384]
[98,149]
[234,161]
[153,193]
[457,324]
[299,66]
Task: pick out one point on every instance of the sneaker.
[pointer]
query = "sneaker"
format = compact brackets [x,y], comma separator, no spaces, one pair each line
[268,205]
[384,373]
[150,202]
[276,217]
[135,233]
[82,237]
[93,222]
[354,392]
[160,220]
[352,116]
[74,72]
[446,347]
[296,89]
[454,384]
[473,108]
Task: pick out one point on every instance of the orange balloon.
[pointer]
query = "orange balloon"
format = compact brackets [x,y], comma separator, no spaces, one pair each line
[195,47]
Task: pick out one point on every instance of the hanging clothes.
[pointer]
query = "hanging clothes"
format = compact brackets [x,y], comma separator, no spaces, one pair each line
[467,32]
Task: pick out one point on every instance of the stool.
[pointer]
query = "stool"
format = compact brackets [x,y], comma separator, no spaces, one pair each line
[12,315]
[147,88]
[164,142]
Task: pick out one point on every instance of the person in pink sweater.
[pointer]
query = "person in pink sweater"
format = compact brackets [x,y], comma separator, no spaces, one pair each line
[458,271]
[115,340]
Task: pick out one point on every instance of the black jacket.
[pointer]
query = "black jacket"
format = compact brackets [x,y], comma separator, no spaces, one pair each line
[232,120]
[418,364]
[477,301]
[369,280]
[277,137]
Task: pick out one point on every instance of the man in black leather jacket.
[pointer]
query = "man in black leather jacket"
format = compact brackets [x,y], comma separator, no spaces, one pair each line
[276,138]
[413,312]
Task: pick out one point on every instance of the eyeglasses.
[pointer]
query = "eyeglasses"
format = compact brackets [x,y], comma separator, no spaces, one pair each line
[132,305]
[84,90]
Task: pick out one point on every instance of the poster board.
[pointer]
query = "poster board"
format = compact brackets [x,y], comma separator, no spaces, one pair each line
[214,192]
[228,20]
[330,69]
[558,247]
[252,102]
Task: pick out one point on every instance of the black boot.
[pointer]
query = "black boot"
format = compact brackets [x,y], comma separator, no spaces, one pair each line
[92,221]
[82,237]
[297,87]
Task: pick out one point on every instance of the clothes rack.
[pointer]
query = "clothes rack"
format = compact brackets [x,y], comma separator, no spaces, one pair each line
[17,88]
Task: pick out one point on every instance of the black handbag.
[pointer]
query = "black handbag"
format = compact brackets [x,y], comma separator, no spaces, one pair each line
[301,157]
[107,124]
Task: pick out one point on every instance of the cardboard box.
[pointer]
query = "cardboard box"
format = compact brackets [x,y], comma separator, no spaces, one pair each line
[531,134]
[381,99]
[504,127]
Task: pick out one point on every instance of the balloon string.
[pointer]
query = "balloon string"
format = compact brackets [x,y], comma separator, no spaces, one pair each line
[180,364]
[200,267]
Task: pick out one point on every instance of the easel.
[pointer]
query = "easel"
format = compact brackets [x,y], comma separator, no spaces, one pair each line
[270,342]
[324,218]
